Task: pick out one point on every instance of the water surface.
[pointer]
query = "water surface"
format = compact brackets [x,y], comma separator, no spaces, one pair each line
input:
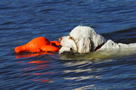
[23,20]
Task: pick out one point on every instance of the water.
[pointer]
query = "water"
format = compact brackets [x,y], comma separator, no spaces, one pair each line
[23,20]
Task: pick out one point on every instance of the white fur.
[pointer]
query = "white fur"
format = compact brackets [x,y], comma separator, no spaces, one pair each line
[84,39]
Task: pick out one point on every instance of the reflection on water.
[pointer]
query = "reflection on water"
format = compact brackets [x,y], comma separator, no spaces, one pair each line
[81,73]
[99,55]
[28,55]
[36,66]
[92,72]
[43,80]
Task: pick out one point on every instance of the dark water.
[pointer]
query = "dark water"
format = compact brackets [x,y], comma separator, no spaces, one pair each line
[23,20]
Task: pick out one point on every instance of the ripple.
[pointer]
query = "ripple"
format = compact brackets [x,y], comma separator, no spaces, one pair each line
[24,20]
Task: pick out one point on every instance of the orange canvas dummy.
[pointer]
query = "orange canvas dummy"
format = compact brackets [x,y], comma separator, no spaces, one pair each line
[39,44]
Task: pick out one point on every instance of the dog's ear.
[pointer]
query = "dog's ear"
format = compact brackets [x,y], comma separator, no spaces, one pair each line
[84,45]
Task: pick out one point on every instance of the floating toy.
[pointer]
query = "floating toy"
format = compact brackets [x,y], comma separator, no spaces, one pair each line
[39,44]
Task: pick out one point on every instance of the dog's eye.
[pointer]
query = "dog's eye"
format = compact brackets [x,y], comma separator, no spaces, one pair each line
[71,49]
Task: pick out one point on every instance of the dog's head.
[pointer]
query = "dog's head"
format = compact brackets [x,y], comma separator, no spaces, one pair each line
[81,39]
[78,40]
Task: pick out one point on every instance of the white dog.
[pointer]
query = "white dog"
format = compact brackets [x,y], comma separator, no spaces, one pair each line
[83,39]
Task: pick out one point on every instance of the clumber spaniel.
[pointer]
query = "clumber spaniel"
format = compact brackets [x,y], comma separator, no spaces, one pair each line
[84,39]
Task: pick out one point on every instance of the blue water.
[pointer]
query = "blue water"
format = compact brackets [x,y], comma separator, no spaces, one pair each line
[23,20]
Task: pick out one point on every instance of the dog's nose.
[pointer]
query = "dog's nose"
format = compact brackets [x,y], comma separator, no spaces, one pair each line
[60,38]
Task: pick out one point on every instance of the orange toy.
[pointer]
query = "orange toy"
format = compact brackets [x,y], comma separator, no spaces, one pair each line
[56,43]
[39,44]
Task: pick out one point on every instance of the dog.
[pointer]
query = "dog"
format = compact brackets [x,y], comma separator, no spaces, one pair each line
[84,39]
